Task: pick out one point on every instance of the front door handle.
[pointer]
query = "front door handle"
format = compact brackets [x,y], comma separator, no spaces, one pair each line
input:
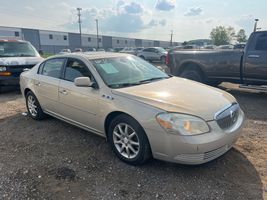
[63,92]
[253,56]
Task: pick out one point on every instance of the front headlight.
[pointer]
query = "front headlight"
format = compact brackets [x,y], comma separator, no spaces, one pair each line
[182,124]
[2,69]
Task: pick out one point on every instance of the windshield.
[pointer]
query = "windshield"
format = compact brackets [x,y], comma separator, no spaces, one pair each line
[127,71]
[160,49]
[16,49]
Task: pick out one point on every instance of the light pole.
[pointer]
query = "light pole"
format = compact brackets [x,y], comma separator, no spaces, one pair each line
[171,38]
[255,25]
[97,40]
[80,24]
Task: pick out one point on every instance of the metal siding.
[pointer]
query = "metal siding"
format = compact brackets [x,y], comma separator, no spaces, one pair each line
[107,41]
[10,32]
[32,36]
[57,40]
[74,41]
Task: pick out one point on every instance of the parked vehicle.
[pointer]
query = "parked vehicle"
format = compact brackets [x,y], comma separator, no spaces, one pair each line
[138,50]
[78,50]
[226,46]
[15,56]
[140,110]
[240,46]
[129,50]
[64,51]
[248,67]
[91,49]
[118,49]
[153,54]
[101,49]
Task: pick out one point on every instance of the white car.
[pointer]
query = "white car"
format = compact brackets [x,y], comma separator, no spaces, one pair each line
[140,110]
[153,54]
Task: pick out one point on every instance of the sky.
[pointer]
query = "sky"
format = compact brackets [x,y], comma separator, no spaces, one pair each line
[147,19]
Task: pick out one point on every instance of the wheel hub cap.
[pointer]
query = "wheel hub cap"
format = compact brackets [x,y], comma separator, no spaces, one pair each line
[126,140]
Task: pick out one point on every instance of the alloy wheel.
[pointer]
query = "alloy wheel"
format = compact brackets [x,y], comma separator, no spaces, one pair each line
[32,105]
[126,140]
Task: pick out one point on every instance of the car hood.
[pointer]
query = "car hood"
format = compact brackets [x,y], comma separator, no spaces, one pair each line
[180,95]
[20,60]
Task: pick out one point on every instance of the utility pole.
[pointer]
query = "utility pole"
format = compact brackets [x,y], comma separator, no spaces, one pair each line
[171,38]
[97,40]
[80,25]
[256,24]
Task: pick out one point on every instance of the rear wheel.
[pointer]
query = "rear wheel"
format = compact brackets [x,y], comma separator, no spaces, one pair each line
[194,75]
[33,107]
[128,140]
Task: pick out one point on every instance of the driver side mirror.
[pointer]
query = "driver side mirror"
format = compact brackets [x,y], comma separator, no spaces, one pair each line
[83,82]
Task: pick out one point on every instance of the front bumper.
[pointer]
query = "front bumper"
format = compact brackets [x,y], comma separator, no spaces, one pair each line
[9,81]
[194,149]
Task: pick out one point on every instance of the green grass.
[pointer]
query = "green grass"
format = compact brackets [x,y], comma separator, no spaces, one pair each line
[46,55]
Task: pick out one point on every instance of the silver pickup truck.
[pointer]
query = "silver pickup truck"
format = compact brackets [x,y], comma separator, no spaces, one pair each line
[247,67]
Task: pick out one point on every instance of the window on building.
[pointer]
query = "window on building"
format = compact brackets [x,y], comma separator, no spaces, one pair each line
[126,41]
[16,34]
[89,39]
[65,37]
[118,41]
[99,39]
[50,36]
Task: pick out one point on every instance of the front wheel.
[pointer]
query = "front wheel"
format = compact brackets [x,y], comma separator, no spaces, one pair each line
[33,106]
[128,140]
[192,75]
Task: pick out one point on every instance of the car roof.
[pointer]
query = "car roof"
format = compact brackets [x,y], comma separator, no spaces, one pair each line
[93,55]
[11,40]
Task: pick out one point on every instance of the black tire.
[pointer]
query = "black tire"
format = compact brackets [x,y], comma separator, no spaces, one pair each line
[163,59]
[144,152]
[39,112]
[194,75]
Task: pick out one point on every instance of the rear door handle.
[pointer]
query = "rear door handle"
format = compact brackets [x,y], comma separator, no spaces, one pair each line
[63,92]
[253,56]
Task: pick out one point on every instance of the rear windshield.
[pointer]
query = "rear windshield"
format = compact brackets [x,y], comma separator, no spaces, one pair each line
[17,49]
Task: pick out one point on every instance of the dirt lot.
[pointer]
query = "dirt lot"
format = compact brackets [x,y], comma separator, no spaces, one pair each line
[54,160]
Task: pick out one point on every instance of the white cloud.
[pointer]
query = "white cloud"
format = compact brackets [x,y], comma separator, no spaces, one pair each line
[194,11]
[29,8]
[165,5]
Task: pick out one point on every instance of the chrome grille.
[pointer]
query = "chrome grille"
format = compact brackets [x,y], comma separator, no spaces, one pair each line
[227,118]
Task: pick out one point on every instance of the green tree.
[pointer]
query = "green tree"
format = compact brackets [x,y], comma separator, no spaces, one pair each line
[241,36]
[222,35]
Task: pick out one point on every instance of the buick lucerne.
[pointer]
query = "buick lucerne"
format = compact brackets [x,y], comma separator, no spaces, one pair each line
[140,110]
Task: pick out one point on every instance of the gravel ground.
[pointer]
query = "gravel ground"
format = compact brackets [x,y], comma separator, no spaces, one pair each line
[54,160]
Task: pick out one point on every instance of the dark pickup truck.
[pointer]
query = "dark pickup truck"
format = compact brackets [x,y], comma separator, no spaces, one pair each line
[246,67]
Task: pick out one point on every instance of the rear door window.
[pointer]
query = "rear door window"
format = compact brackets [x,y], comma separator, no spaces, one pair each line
[52,67]
[261,44]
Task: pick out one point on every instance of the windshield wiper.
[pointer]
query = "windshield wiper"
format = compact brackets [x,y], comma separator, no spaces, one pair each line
[119,85]
[152,79]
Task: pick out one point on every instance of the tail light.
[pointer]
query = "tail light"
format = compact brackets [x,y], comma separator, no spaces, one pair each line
[5,73]
[167,61]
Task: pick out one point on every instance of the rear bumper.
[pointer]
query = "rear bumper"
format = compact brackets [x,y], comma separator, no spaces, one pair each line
[9,81]
[197,149]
